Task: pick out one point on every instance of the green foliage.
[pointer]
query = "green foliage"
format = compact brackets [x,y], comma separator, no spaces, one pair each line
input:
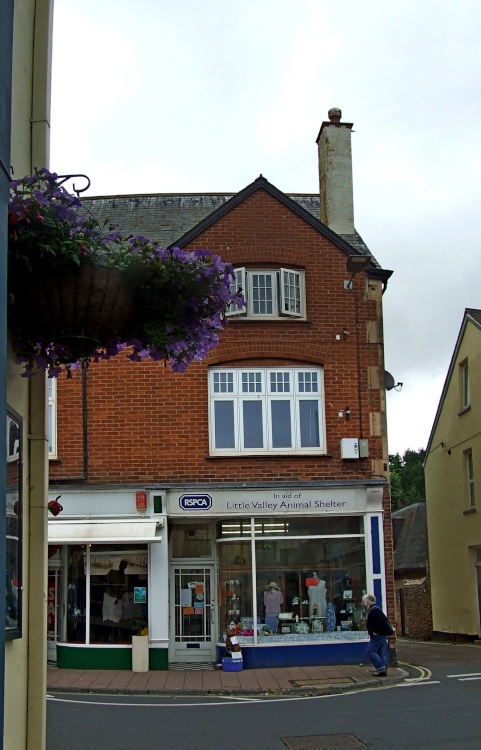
[407,478]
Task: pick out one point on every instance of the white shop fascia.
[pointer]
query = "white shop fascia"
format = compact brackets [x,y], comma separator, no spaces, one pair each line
[286,502]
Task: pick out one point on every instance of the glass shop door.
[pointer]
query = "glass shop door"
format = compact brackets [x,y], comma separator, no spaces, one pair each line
[192,615]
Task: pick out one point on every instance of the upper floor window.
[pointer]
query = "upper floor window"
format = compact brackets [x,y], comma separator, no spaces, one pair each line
[13,439]
[258,410]
[52,417]
[468,458]
[465,390]
[270,293]
[13,500]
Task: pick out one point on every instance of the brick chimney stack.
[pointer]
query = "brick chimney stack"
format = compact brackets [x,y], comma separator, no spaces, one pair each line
[335,173]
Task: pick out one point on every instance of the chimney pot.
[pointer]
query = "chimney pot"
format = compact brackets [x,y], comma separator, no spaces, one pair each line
[334,114]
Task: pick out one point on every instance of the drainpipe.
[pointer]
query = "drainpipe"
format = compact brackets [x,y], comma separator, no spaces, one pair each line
[6,52]
[38,444]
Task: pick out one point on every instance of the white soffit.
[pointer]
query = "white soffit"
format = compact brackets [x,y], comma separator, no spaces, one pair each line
[102,532]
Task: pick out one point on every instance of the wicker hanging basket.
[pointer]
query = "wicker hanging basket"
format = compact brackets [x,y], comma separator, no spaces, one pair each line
[78,306]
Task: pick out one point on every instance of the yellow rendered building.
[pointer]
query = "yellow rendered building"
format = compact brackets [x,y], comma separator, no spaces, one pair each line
[453,491]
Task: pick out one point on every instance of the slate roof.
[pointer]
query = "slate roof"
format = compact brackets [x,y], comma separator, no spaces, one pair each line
[475,314]
[173,218]
[410,539]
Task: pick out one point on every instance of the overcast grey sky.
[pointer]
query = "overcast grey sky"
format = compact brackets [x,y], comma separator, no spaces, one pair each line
[181,95]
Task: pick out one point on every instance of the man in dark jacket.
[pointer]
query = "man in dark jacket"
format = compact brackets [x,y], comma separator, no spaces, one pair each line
[379,629]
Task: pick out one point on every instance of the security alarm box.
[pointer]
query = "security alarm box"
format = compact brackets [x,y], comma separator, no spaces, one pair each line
[349,448]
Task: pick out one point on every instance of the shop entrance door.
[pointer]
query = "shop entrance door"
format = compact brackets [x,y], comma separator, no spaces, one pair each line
[192,609]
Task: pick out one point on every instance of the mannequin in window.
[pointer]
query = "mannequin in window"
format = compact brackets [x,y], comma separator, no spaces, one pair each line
[116,587]
[317,598]
[273,599]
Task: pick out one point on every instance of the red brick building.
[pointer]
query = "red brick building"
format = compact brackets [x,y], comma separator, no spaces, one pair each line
[252,490]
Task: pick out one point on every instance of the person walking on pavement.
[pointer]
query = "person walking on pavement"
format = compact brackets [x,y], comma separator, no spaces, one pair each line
[379,629]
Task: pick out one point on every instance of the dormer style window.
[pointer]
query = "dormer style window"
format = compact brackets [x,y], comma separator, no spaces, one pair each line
[266,410]
[273,293]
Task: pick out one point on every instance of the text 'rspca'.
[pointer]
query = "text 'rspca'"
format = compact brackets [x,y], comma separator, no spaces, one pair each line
[195,502]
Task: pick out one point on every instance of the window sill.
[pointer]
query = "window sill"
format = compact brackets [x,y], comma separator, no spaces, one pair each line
[468,511]
[464,410]
[266,319]
[271,456]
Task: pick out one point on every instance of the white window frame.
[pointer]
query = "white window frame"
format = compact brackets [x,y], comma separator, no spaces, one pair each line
[52,417]
[468,459]
[465,386]
[282,304]
[267,395]
[13,446]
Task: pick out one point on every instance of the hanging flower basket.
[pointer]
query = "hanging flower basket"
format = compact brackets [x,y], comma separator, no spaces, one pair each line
[80,291]
[77,306]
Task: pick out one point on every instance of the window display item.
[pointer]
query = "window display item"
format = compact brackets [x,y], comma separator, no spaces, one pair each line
[273,599]
[116,586]
[232,644]
[272,621]
[302,627]
[330,617]
[317,598]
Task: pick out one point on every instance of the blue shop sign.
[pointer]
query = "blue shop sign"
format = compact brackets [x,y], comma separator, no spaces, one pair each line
[195,502]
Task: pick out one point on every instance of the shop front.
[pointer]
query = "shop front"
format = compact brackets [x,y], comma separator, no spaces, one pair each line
[290,567]
[283,568]
[99,582]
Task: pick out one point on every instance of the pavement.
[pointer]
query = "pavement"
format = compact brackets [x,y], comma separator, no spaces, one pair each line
[278,681]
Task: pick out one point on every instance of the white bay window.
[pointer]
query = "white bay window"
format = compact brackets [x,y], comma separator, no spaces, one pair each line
[264,410]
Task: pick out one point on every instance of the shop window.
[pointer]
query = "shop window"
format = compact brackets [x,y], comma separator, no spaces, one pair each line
[118,593]
[235,586]
[14,523]
[266,411]
[270,293]
[73,630]
[302,585]
[101,593]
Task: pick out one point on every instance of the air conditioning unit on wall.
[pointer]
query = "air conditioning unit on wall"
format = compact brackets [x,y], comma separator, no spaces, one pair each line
[350,448]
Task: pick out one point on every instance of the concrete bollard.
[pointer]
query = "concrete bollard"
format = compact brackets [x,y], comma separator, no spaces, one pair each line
[140,653]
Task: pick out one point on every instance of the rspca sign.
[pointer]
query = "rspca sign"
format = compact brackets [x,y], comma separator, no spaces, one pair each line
[195,502]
